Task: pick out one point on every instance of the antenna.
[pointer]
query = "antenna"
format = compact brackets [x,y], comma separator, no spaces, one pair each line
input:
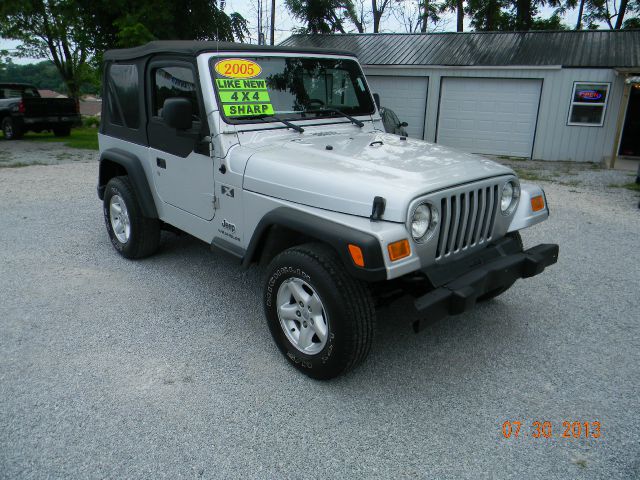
[222,5]
[273,21]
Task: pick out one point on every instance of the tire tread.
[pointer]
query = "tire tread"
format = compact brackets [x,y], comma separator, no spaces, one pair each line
[363,312]
[148,230]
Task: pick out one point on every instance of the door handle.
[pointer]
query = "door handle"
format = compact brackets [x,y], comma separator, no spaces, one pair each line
[161,162]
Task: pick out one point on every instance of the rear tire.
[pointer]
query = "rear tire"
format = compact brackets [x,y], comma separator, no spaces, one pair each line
[10,130]
[62,131]
[132,234]
[320,317]
[493,294]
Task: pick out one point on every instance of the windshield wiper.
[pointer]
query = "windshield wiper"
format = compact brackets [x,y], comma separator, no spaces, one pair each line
[339,112]
[297,128]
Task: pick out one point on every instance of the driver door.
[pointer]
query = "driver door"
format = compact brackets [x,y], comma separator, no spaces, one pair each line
[183,166]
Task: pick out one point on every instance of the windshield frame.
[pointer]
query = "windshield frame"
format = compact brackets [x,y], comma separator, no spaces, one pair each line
[298,118]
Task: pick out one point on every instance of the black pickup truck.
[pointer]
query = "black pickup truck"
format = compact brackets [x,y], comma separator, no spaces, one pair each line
[22,109]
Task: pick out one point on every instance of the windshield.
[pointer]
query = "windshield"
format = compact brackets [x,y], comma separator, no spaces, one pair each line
[250,88]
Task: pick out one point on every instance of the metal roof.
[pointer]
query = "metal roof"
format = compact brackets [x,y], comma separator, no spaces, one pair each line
[193,48]
[584,48]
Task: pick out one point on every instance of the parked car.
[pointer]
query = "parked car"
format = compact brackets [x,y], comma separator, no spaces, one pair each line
[392,123]
[22,110]
[278,156]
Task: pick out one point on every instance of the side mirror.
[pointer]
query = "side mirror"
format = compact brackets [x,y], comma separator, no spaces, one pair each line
[376,98]
[178,113]
[404,124]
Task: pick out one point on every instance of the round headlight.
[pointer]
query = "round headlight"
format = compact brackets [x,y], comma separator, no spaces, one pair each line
[420,221]
[509,197]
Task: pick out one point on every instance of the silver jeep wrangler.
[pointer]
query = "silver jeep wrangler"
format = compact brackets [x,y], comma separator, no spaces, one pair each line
[279,157]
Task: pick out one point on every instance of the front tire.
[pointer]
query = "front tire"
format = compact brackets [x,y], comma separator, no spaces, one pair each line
[10,130]
[320,317]
[132,234]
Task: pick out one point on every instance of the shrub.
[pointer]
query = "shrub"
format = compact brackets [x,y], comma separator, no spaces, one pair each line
[93,122]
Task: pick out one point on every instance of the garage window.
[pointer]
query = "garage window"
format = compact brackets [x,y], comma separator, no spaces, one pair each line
[588,104]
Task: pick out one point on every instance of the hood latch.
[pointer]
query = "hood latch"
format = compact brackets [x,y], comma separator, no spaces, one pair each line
[379,204]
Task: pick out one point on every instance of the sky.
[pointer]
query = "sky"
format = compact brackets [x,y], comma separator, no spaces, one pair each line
[285,23]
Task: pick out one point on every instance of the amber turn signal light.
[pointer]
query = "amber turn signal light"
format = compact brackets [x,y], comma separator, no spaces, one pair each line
[537,203]
[399,249]
[356,255]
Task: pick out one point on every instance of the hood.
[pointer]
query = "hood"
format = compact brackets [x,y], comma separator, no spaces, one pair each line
[344,172]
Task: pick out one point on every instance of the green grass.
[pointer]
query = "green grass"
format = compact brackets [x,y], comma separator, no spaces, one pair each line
[513,159]
[632,186]
[82,137]
[554,177]
[530,175]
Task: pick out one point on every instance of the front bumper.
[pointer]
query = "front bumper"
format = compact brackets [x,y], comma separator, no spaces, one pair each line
[497,268]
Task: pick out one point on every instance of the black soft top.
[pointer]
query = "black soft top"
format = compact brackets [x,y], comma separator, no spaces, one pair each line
[193,48]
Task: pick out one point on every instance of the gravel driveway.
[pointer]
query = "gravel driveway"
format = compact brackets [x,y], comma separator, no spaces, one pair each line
[164,368]
[23,153]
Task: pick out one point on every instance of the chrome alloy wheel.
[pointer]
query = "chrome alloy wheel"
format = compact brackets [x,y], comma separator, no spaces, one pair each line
[119,217]
[302,316]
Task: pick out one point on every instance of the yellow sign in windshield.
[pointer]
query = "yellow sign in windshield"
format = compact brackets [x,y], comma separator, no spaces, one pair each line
[244,97]
[238,68]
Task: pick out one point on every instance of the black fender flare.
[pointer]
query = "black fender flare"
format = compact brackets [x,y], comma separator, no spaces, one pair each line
[135,172]
[334,234]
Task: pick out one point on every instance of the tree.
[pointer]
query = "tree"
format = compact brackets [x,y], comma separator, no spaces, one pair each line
[580,14]
[44,75]
[459,15]
[610,12]
[122,23]
[526,11]
[416,15]
[378,9]
[330,16]
[323,16]
[631,24]
[554,22]
[74,33]
[516,15]
[317,15]
[456,6]
[489,15]
[6,62]
[54,29]
[358,14]
[622,10]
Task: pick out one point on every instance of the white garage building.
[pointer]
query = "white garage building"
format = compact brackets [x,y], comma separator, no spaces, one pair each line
[543,95]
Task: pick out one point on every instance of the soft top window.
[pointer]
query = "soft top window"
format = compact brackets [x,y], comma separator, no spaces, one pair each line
[172,82]
[123,96]
[292,88]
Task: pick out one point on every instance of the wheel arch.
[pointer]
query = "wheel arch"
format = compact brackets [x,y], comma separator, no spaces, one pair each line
[285,227]
[115,162]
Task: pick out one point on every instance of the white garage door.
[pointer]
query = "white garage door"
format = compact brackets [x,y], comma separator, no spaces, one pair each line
[489,115]
[407,96]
